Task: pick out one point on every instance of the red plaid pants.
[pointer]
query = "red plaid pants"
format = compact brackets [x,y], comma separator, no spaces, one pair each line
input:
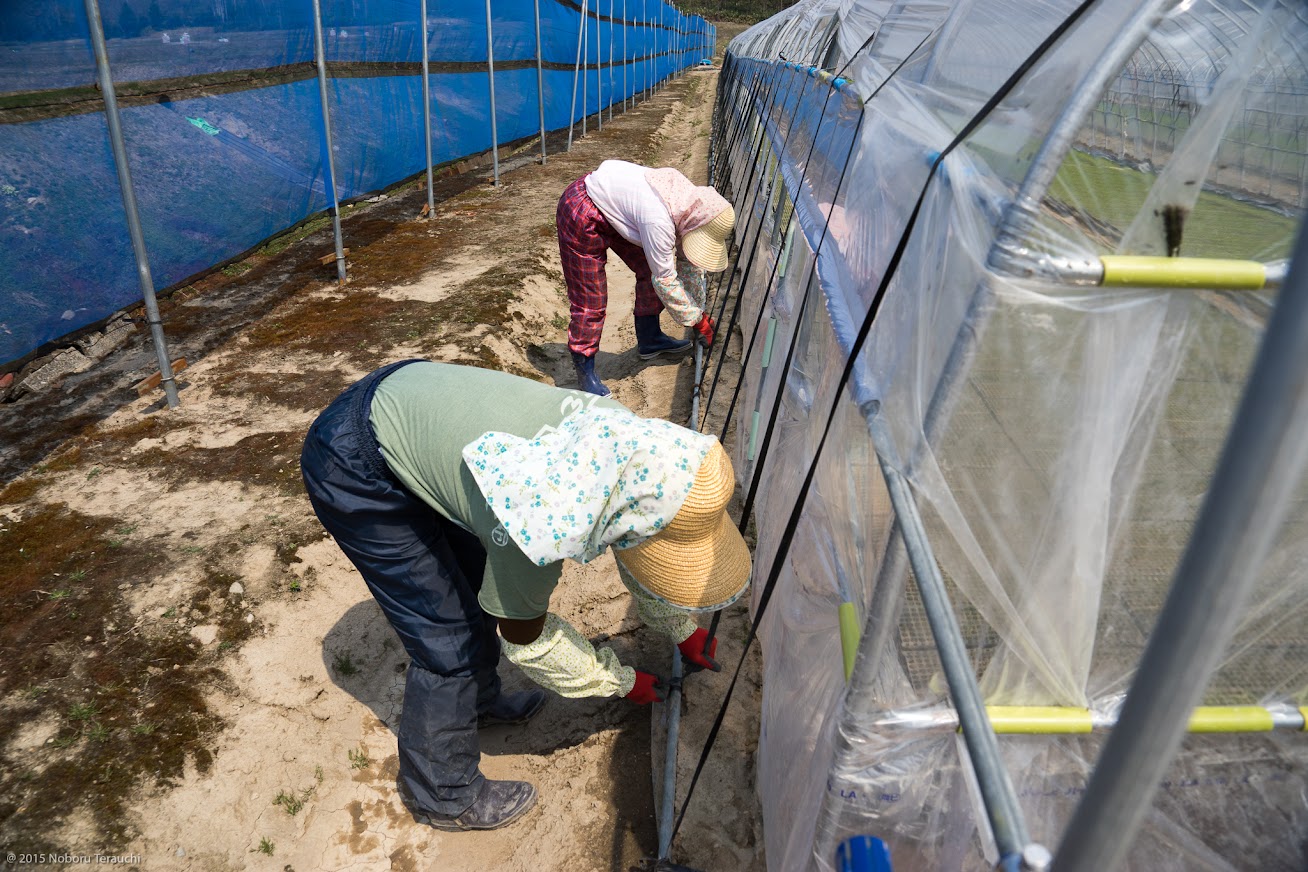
[585,237]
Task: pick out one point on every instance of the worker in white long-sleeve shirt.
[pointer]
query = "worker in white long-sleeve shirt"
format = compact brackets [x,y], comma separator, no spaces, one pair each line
[667,229]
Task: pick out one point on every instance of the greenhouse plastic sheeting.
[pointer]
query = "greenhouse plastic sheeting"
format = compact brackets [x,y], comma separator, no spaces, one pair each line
[1057,437]
[223,123]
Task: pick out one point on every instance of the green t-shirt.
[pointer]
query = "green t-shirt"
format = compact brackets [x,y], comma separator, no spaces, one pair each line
[425,413]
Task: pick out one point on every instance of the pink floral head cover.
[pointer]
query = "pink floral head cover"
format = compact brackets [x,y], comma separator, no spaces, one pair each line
[690,205]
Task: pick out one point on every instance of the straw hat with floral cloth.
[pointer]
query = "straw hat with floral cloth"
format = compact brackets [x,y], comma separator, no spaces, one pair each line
[702,216]
[656,492]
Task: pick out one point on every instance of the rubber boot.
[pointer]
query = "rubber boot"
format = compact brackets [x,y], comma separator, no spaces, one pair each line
[499,803]
[513,708]
[652,342]
[586,378]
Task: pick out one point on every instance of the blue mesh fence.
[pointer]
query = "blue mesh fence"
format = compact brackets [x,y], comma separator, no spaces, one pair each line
[223,123]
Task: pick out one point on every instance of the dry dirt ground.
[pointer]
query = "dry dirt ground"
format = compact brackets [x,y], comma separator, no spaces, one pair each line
[193,677]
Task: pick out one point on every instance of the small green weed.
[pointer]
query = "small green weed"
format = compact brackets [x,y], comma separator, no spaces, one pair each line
[266,846]
[98,731]
[344,665]
[145,728]
[83,711]
[359,758]
[59,594]
[289,801]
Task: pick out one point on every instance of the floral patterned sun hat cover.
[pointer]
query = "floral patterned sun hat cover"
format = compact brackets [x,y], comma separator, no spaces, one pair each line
[602,477]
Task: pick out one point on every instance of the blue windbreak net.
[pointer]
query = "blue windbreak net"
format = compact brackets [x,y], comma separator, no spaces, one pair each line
[223,122]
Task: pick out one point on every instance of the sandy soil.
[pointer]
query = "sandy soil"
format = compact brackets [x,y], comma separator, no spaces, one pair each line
[194,676]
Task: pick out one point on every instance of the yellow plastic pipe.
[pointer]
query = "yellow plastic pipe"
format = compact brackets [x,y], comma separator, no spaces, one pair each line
[1039,719]
[1129,271]
[1303,710]
[849,633]
[1066,720]
[1231,719]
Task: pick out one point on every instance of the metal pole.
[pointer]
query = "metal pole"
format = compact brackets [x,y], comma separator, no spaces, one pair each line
[585,71]
[610,60]
[667,806]
[540,84]
[599,69]
[1261,466]
[320,53]
[144,278]
[572,111]
[626,59]
[426,111]
[490,74]
[1044,165]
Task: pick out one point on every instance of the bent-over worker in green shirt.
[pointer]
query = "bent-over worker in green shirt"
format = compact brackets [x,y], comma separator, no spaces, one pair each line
[457,493]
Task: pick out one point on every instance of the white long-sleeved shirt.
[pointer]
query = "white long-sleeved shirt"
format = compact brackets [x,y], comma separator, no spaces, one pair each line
[620,190]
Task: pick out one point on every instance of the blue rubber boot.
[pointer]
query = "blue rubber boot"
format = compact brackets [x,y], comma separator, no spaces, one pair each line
[586,379]
[652,342]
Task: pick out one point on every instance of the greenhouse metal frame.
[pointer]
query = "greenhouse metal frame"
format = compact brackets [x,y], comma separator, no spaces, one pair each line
[820,109]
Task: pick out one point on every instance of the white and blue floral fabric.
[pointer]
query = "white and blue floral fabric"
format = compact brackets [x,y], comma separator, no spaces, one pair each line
[603,477]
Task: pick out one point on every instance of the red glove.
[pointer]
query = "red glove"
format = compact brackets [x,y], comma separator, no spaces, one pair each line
[647,689]
[692,651]
[705,328]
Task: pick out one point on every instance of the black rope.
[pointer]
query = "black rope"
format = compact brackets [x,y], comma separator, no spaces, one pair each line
[735,395]
[717,616]
[792,523]
[752,192]
[776,264]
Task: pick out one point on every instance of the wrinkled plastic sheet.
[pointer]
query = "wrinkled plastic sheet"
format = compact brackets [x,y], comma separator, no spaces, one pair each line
[1058,439]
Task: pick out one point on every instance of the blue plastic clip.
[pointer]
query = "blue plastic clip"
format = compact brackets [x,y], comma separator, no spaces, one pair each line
[863,854]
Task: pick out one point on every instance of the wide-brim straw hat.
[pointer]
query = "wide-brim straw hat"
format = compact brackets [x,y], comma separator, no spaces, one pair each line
[706,246]
[699,561]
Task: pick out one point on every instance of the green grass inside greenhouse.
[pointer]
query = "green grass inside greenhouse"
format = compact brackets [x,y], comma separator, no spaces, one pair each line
[1218,226]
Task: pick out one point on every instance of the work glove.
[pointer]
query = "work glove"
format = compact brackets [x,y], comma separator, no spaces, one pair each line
[647,689]
[694,655]
[705,328]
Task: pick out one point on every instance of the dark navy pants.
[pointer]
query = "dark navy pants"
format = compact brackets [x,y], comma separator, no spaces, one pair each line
[424,572]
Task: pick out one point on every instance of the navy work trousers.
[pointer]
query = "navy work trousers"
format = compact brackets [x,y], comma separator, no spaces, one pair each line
[424,572]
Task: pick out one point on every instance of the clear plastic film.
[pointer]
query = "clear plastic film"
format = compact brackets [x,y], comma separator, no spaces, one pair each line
[1057,435]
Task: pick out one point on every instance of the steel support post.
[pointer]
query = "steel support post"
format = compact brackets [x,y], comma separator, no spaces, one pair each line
[1260,468]
[144,278]
[576,71]
[585,64]
[426,111]
[626,61]
[320,53]
[490,77]
[599,69]
[540,83]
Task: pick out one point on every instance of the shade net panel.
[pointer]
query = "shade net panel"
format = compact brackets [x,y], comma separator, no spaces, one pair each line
[958,180]
[226,132]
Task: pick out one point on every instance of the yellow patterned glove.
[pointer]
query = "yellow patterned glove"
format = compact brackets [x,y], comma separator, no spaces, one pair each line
[562,661]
